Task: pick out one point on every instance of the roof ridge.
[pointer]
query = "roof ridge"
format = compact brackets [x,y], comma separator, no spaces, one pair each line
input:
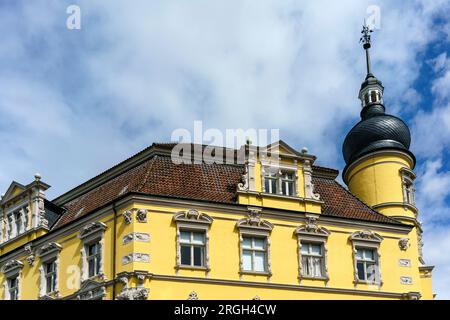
[147,174]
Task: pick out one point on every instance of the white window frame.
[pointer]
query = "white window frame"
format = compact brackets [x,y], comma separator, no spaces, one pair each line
[279,172]
[253,251]
[11,270]
[310,232]
[191,244]
[192,221]
[408,177]
[367,239]
[254,226]
[91,234]
[49,253]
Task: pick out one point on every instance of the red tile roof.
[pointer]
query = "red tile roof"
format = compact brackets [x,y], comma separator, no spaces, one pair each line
[217,183]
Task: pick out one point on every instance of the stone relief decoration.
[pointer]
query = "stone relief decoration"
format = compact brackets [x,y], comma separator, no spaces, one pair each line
[137,293]
[193,296]
[192,215]
[412,295]
[12,266]
[311,228]
[30,255]
[141,215]
[127,216]
[91,290]
[404,244]
[404,263]
[254,221]
[92,228]
[133,293]
[420,243]
[136,236]
[309,186]
[256,298]
[366,235]
[243,185]
[136,257]
[49,248]
[406,280]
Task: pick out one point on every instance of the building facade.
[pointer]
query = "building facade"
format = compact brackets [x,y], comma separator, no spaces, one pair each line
[272,226]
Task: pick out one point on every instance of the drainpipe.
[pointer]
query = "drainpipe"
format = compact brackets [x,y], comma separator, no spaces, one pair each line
[114,252]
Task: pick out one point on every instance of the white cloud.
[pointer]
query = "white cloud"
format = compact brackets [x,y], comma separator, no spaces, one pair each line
[74,103]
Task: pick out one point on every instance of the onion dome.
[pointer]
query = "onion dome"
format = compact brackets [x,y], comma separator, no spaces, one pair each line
[376,130]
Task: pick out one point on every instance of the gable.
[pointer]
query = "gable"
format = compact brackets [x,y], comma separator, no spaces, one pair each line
[14,189]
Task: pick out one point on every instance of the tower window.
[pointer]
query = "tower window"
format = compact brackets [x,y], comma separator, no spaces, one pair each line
[374,96]
[408,177]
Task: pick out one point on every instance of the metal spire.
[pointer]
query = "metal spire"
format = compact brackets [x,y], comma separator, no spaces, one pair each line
[365,40]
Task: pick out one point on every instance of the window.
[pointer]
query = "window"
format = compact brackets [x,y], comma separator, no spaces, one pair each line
[312,259]
[366,264]
[254,254]
[13,288]
[287,184]
[93,259]
[270,182]
[408,178]
[50,276]
[192,239]
[192,248]
[280,183]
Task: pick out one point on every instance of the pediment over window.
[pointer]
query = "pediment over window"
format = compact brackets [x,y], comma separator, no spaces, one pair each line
[92,229]
[254,221]
[14,189]
[366,235]
[49,249]
[12,266]
[91,290]
[194,216]
[312,229]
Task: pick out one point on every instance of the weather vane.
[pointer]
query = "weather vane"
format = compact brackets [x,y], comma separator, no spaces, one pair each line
[365,39]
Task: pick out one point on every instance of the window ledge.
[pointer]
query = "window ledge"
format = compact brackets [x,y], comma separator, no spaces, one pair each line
[256,273]
[374,283]
[188,267]
[314,278]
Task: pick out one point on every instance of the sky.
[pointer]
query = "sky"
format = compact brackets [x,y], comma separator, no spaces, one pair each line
[74,102]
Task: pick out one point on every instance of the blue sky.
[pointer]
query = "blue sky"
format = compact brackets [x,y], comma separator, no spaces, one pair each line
[75,102]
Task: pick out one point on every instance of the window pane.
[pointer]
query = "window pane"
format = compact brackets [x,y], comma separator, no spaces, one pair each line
[91,268]
[246,242]
[273,184]
[369,255]
[185,236]
[305,266]
[259,243]
[371,271]
[247,260]
[305,248]
[186,255]
[316,249]
[316,266]
[260,261]
[199,238]
[97,264]
[198,256]
[360,268]
[359,253]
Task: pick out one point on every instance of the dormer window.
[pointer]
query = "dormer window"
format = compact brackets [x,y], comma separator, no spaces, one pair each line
[270,182]
[281,182]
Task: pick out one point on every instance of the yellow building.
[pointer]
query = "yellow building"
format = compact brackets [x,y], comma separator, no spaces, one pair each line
[269,224]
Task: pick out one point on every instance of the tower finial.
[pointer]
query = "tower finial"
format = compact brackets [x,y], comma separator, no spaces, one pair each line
[365,40]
